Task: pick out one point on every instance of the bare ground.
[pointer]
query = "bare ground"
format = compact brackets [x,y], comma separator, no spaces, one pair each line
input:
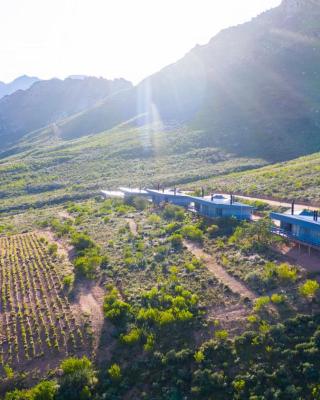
[301,258]
[133,226]
[89,301]
[219,272]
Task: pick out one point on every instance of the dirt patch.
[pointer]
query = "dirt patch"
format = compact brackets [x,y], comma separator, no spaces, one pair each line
[65,215]
[219,272]
[233,319]
[301,257]
[89,301]
[133,226]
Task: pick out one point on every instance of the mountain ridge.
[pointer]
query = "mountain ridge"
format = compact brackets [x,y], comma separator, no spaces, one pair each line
[253,90]
[23,82]
[48,102]
[248,89]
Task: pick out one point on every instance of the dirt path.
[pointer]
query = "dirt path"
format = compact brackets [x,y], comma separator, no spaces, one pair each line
[133,226]
[298,207]
[90,301]
[219,272]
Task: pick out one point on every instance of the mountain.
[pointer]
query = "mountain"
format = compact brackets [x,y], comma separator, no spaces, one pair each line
[48,102]
[22,83]
[253,90]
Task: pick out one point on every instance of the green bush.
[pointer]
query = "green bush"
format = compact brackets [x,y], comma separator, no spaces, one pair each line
[173,212]
[115,309]
[115,372]
[53,249]
[193,233]
[176,240]
[45,390]
[309,289]
[82,241]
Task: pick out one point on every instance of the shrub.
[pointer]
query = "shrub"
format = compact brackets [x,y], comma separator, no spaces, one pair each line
[81,242]
[53,249]
[257,235]
[173,212]
[87,265]
[212,230]
[115,372]
[176,240]
[287,272]
[73,364]
[131,337]
[140,203]
[77,380]
[277,298]
[68,281]
[221,335]
[199,356]
[45,390]
[8,371]
[261,302]
[193,233]
[154,219]
[309,288]
[114,308]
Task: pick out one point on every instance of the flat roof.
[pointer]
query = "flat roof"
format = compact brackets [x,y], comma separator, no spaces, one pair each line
[168,192]
[218,200]
[132,191]
[221,202]
[306,221]
[112,193]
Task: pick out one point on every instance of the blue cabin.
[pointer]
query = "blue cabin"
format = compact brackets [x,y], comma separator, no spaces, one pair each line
[215,206]
[169,196]
[303,228]
[218,206]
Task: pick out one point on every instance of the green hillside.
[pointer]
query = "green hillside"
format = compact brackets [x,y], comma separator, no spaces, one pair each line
[39,173]
[297,179]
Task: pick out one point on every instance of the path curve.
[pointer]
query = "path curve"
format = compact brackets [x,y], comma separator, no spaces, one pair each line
[219,272]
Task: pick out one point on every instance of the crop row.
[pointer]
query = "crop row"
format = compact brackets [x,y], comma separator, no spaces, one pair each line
[36,318]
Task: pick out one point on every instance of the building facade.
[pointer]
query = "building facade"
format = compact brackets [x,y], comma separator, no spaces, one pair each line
[303,228]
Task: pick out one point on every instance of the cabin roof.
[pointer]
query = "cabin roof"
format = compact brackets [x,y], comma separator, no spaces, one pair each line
[306,221]
[132,191]
[168,193]
[218,200]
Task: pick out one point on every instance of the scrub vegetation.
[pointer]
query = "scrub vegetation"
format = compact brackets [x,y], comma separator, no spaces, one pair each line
[170,328]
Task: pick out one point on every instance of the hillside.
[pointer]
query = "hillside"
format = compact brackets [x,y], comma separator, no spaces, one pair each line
[252,90]
[48,102]
[52,171]
[20,83]
[296,179]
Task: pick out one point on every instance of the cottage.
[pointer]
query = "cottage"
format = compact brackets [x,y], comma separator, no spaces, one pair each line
[302,228]
[221,206]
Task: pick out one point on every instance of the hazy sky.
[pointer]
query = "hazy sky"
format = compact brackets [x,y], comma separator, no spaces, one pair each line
[110,38]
